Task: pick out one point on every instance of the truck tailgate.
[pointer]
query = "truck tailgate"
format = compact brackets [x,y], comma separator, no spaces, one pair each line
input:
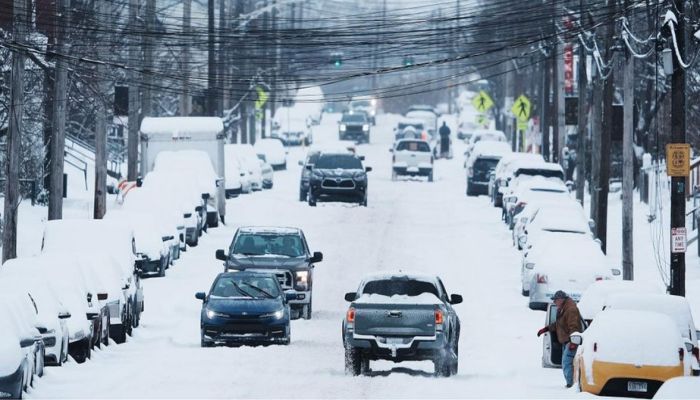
[395,319]
[413,158]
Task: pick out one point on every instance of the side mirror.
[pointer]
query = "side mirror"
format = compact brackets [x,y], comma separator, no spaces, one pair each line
[309,167]
[351,296]
[570,185]
[689,347]
[64,315]
[591,224]
[600,242]
[530,265]
[362,158]
[168,238]
[391,150]
[199,209]
[576,339]
[26,342]
[616,272]
[317,257]
[221,255]
[456,299]
[205,196]
[368,169]
[301,163]
[290,295]
[102,296]
[200,296]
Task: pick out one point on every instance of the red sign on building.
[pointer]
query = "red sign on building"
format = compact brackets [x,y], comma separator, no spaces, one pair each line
[569,68]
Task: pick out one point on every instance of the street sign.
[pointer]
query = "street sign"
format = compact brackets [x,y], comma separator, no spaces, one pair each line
[522,126]
[678,160]
[482,102]
[521,108]
[262,98]
[678,240]
[481,120]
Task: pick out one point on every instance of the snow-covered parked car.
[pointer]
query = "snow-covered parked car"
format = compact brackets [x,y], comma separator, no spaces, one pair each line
[401,317]
[21,349]
[150,240]
[551,221]
[412,157]
[114,238]
[533,190]
[481,163]
[274,151]
[634,361]
[267,172]
[21,275]
[237,180]
[484,135]
[682,387]
[194,169]
[503,174]
[245,153]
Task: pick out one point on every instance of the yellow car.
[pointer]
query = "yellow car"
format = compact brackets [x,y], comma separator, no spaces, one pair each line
[628,353]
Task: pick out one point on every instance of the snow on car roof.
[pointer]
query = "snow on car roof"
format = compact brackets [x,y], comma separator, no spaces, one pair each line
[280,230]
[400,274]
[680,387]
[594,298]
[542,183]
[560,219]
[491,149]
[648,338]
[536,164]
[488,132]
[675,307]
[423,298]
[182,126]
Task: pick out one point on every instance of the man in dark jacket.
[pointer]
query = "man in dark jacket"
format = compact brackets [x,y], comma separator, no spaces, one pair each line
[568,321]
[444,139]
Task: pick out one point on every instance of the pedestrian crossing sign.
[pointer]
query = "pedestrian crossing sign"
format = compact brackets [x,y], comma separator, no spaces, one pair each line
[482,102]
[521,108]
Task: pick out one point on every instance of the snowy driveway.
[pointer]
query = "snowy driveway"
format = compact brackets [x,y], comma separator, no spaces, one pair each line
[411,225]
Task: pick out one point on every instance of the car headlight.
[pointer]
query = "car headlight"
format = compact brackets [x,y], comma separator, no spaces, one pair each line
[214,314]
[365,127]
[303,277]
[360,177]
[316,174]
[275,315]
[342,127]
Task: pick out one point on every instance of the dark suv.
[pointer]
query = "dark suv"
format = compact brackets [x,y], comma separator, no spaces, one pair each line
[355,127]
[279,251]
[338,177]
[479,172]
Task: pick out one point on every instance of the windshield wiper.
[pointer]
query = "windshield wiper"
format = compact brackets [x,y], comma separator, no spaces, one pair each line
[266,293]
[241,290]
[249,254]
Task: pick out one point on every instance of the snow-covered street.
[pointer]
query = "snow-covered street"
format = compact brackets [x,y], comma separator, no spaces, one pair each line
[411,225]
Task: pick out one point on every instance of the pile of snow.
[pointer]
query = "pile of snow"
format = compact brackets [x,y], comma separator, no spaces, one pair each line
[423,298]
[682,387]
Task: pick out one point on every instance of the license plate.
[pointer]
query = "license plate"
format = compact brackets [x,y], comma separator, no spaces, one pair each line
[637,387]
[394,341]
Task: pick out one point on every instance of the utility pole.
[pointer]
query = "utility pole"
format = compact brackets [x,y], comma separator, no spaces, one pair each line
[596,134]
[134,58]
[147,105]
[100,201]
[185,102]
[582,115]
[275,65]
[221,67]
[58,125]
[211,64]
[14,133]
[606,134]
[266,57]
[546,110]
[628,166]
[678,135]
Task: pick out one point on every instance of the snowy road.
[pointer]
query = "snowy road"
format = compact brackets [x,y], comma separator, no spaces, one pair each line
[411,225]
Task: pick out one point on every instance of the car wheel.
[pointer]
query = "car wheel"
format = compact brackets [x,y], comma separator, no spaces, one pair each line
[306,311]
[524,292]
[443,366]
[353,361]
[288,338]
[430,177]
[312,200]
[394,175]
[363,203]
[302,195]
[196,241]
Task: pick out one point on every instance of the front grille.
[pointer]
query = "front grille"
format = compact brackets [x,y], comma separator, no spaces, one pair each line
[338,184]
[285,279]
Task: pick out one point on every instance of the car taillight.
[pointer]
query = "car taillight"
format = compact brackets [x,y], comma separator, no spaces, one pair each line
[595,346]
[439,317]
[350,317]
[680,354]
[541,278]
[598,278]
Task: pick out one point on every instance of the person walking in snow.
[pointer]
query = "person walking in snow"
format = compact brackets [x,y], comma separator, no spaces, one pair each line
[444,140]
[568,321]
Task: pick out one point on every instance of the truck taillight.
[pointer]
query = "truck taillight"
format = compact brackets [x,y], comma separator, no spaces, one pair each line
[350,317]
[541,278]
[595,346]
[439,317]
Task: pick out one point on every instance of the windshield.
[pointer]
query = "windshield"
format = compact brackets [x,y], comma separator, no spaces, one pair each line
[485,164]
[361,103]
[338,161]
[255,244]
[245,286]
[358,118]
[311,160]
[403,125]
[413,145]
[403,287]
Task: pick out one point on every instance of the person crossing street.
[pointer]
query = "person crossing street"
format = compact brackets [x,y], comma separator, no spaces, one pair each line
[444,140]
[568,322]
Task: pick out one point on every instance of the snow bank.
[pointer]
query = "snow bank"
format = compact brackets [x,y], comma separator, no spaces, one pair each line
[423,298]
[682,387]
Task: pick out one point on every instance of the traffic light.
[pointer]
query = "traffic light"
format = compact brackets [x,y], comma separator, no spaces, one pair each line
[408,61]
[337,59]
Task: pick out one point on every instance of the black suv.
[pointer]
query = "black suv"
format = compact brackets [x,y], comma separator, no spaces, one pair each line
[279,251]
[354,126]
[338,177]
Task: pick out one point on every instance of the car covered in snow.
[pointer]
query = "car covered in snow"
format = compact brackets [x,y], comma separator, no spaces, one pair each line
[365,104]
[484,135]
[538,191]
[245,153]
[503,173]
[415,126]
[595,297]
[283,252]
[274,151]
[245,308]
[634,361]
[412,157]
[292,128]
[150,240]
[481,163]
[338,177]
[401,317]
[237,177]
[552,221]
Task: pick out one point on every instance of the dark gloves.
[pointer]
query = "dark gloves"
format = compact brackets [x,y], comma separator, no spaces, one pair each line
[542,331]
[572,346]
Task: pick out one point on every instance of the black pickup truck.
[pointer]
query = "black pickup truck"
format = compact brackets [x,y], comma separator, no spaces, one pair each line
[401,317]
[280,251]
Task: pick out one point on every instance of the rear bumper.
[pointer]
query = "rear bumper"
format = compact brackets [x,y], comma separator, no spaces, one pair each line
[611,379]
[477,186]
[414,348]
[11,385]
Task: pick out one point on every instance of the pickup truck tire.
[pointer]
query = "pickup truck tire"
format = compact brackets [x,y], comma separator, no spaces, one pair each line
[307,310]
[443,366]
[394,175]
[312,200]
[302,195]
[355,364]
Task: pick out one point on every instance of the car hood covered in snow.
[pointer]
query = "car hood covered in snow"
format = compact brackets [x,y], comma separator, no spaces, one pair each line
[267,262]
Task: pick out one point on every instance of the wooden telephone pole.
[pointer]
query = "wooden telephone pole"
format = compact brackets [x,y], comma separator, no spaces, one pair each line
[628,167]
[100,199]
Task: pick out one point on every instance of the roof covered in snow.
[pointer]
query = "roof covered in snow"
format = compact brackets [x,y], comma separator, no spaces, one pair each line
[182,126]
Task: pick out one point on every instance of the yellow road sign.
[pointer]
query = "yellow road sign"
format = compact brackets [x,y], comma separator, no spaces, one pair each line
[482,102]
[262,98]
[521,108]
[522,126]
[678,159]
